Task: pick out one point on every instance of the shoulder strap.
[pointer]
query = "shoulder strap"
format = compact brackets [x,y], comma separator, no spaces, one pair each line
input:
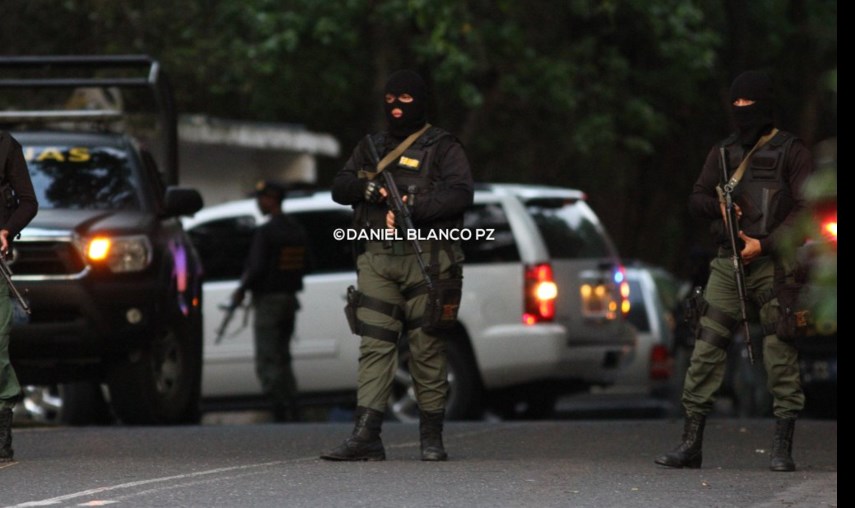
[743,166]
[394,154]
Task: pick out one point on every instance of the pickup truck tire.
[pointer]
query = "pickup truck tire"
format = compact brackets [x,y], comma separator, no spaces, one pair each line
[83,403]
[158,383]
[464,397]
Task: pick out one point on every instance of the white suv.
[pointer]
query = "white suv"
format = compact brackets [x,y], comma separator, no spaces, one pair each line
[512,352]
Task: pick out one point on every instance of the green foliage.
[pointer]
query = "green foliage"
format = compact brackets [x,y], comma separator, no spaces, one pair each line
[621,98]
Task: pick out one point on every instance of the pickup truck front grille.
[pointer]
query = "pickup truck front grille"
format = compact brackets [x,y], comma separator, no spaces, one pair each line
[48,258]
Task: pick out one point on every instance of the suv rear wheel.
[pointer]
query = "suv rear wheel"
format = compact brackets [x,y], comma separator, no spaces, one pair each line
[464,387]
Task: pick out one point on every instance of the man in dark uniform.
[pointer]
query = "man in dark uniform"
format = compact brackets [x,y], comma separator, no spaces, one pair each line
[18,206]
[769,199]
[434,177]
[274,274]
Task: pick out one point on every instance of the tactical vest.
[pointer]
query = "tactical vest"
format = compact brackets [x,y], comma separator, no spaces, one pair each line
[763,194]
[412,175]
[8,199]
[286,258]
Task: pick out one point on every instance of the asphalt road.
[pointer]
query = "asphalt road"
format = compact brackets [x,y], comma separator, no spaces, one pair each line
[556,463]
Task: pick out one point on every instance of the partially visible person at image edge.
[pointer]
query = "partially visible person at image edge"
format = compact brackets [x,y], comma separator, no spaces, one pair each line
[18,206]
[769,199]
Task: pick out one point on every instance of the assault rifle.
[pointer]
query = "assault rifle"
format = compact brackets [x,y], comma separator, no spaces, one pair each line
[732,225]
[229,310]
[402,214]
[7,274]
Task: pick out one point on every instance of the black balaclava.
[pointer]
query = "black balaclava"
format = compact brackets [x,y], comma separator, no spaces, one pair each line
[755,120]
[415,113]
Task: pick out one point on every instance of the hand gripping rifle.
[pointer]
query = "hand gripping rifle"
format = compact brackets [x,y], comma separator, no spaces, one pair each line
[7,274]
[732,225]
[402,214]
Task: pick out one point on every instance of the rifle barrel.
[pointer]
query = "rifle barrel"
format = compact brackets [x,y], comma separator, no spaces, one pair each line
[732,225]
[7,274]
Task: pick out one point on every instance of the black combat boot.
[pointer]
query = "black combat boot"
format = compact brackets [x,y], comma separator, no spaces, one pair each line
[782,447]
[430,432]
[688,453]
[6,452]
[364,443]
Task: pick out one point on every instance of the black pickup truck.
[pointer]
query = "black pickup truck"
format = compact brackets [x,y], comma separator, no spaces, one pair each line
[112,279]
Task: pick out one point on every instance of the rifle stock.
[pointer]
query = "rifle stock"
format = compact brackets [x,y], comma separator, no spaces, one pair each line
[732,225]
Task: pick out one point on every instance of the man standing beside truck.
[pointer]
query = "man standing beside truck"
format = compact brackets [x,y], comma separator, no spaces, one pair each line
[18,206]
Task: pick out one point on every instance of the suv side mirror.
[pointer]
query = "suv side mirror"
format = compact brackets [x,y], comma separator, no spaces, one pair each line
[181,201]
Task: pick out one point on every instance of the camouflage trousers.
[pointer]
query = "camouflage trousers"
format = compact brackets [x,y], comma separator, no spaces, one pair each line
[10,389]
[780,359]
[275,315]
[386,274]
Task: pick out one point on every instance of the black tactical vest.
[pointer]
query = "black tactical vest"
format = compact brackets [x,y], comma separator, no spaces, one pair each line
[285,260]
[412,174]
[763,194]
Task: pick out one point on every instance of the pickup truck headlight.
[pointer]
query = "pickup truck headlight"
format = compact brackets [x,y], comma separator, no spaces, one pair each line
[119,253]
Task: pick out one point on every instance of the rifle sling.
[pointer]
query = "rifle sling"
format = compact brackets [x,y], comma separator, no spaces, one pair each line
[743,166]
[394,154]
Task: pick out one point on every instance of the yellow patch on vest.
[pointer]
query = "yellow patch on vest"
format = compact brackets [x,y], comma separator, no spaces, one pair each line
[408,162]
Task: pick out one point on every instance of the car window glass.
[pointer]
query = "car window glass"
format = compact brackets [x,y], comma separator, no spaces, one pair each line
[326,253]
[155,178]
[567,231]
[223,245]
[637,312]
[83,177]
[501,248]
[668,289]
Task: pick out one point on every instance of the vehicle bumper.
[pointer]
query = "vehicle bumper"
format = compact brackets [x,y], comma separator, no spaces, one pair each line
[74,322]
[510,355]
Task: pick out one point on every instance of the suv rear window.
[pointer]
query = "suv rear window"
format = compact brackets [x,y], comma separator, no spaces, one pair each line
[502,248]
[637,312]
[82,178]
[567,231]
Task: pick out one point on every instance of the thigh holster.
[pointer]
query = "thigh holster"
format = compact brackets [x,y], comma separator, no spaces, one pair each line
[762,300]
[709,335]
[443,298]
[357,299]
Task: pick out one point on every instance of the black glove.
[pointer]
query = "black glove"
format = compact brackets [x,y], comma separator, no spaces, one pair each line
[372,192]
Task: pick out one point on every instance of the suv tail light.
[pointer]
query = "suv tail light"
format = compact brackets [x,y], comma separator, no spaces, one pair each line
[540,294]
[661,366]
[604,292]
[829,228]
[623,290]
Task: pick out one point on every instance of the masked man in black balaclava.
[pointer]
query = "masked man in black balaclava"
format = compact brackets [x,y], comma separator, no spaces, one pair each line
[768,199]
[393,303]
[405,104]
[751,106]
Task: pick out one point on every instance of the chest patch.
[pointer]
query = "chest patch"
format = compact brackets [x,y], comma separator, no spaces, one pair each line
[409,162]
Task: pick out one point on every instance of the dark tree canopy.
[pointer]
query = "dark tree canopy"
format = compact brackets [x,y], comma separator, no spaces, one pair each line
[620,98]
